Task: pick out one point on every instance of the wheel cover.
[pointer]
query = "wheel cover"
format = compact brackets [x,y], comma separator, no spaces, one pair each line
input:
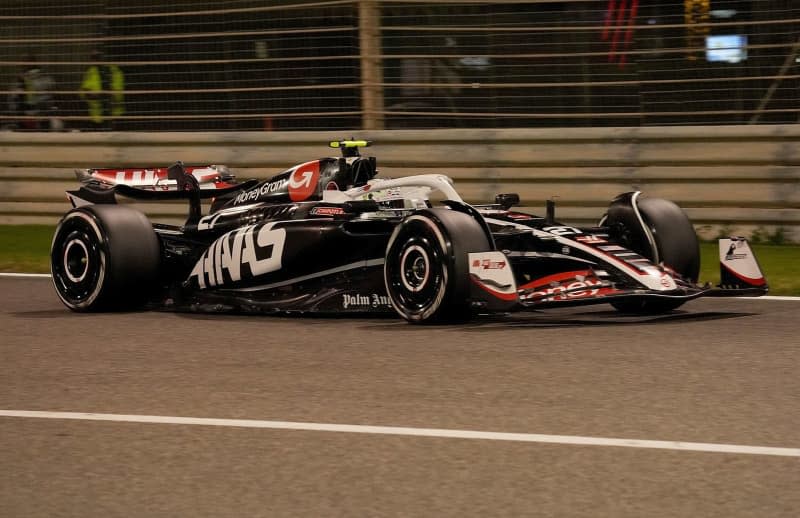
[415,268]
[416,273]
[77,261]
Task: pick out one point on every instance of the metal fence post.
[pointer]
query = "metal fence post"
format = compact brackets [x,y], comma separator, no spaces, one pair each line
[369,21]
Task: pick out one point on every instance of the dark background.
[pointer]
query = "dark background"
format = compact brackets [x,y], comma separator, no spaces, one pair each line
[302,64]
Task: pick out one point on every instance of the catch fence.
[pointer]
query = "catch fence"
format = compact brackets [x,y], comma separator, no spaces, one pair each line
[348,65]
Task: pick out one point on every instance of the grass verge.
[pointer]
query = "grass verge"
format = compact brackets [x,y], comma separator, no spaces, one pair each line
[26,248]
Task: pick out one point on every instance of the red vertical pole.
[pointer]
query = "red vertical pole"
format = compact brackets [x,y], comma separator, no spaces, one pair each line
[629,32]
[609,16]
[617,29]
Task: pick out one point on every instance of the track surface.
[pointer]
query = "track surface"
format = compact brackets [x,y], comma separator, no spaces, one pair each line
[719,371]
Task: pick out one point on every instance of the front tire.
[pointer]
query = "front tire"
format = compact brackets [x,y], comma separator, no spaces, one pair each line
[426,267]
[677,247]
[104,257]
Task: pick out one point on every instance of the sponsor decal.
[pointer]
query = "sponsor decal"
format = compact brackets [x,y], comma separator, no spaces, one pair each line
[140,177]
[327,211]
[389,194]
[266,188]
[152,176]
[303,181]
[519,215]
[571,291]
[591,240]
[491,273]
[489,264]
[732,255]
[300,184]
[566,286]
[243,253]
[562,231]
[358,301]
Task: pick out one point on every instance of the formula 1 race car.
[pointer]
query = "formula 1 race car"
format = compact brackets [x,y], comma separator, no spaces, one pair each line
[327,237]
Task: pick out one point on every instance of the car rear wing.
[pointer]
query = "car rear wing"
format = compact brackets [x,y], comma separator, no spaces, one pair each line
[157,178]
[185,185]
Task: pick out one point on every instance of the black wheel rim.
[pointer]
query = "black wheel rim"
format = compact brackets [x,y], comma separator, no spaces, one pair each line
[415,272]
[415,268]
[76,261]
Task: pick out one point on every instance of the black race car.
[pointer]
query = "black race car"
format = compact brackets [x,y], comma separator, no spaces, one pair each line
[327,236]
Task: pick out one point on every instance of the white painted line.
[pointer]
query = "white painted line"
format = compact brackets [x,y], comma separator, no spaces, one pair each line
[40,275]
[414,432]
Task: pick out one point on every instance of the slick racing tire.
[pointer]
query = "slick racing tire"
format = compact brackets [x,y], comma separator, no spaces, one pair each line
[104,258]
[676,244]
[426,268]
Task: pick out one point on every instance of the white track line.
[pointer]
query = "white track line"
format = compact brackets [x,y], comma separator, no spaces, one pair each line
[414,432]
[47,275]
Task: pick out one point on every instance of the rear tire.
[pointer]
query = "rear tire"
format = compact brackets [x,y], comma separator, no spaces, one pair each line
[104,257]
[677,247]
[426,268]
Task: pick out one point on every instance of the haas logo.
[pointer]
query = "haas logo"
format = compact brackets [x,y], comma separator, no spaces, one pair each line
[303,181]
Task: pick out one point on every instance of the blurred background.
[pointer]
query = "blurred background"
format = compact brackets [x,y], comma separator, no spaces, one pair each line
[240,65]
[697,101]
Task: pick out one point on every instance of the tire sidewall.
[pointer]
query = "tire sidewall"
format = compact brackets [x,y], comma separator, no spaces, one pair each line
[674,235]
[671,231]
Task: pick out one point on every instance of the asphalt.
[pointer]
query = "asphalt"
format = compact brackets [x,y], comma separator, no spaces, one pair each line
[716,371]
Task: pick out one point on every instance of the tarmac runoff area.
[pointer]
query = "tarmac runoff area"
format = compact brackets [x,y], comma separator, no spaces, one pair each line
[571,412]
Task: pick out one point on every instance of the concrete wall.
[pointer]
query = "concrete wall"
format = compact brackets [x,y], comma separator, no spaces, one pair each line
[739,177]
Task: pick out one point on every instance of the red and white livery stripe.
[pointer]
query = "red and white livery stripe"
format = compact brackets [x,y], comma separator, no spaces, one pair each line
[647,273]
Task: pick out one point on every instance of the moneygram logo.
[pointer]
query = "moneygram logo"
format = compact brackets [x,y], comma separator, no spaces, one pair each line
[303,181]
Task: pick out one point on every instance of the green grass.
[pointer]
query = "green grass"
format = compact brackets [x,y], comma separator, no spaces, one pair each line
[26,248]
